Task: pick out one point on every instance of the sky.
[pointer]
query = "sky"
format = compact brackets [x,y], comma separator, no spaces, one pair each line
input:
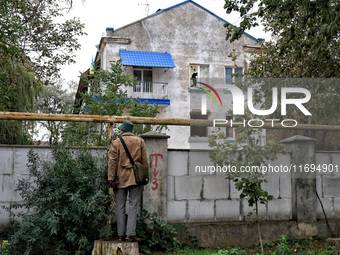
[97,15]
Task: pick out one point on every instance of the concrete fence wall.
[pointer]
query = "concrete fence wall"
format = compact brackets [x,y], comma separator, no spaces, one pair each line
[182,191]
[13,160]
[13,167]
[201,196]
[328,184]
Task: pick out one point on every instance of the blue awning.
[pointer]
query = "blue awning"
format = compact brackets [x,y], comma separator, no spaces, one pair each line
[153,101]
[144,58]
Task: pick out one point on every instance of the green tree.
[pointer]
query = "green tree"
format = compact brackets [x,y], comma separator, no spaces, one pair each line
[18,92]
[32,47]
[31,35]
[106,95]
[306,45]
[56,100]
[306,36]
[246,151]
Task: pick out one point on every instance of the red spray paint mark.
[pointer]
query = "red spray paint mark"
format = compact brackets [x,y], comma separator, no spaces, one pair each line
[155,172]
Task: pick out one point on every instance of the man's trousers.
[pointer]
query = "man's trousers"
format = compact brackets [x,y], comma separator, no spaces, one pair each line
[134,193]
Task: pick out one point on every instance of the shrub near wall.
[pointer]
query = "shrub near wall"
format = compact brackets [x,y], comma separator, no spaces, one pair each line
[65,206]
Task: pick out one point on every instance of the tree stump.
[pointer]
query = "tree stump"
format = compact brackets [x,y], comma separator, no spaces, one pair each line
[115,248]
[334,242]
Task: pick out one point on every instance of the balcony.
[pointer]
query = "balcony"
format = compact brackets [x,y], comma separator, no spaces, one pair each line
[153,92]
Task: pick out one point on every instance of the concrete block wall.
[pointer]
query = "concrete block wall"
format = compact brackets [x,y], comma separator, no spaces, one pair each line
[13,167]
[195,196]
[328,184]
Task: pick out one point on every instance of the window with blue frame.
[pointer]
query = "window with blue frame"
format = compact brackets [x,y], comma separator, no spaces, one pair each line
[233,75]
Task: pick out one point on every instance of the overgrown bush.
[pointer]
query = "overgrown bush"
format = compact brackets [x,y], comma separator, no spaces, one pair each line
[158,235]
[65,204]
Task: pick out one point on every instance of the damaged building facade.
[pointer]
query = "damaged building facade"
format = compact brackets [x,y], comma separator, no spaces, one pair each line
[172,53]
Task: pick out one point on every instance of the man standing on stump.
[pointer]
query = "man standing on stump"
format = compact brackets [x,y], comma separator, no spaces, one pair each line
[122,179]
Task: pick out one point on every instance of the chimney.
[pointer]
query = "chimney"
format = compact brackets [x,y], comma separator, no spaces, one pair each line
[109,31]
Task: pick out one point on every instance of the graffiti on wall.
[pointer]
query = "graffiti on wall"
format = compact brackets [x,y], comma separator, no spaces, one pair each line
[153,165]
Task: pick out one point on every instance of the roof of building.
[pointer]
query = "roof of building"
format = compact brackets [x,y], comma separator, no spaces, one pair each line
[144,58]
[260,39]
[162,10]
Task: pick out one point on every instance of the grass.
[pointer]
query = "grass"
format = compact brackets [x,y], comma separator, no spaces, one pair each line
[312,246]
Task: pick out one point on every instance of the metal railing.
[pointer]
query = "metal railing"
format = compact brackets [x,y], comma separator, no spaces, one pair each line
[145,89]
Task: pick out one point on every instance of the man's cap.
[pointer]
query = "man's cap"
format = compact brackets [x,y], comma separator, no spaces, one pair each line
[126,126]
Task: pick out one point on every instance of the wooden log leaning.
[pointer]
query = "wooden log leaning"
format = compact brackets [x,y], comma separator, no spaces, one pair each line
[102,247]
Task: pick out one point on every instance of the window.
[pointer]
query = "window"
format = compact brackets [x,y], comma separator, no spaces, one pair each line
[144,76]
[233,75]
[198,73]
[198,131]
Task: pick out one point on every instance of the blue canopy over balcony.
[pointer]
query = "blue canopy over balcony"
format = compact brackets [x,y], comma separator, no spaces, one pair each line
[145,58]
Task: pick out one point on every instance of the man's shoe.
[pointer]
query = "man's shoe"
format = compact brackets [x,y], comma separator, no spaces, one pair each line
[132,239]
[121,238]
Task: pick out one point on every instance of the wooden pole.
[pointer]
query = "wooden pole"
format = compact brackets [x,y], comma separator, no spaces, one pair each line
[109,133]
[91,118]
[109,136]
[149,120]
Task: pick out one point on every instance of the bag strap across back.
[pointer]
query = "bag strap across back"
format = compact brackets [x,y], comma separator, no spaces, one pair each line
[127,151]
